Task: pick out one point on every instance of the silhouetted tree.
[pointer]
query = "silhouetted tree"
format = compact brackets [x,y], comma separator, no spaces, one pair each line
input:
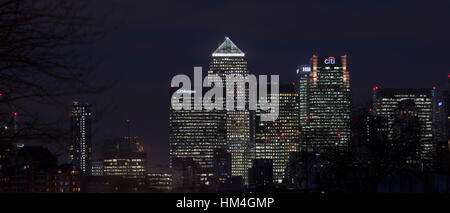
[42,60]
[377,151]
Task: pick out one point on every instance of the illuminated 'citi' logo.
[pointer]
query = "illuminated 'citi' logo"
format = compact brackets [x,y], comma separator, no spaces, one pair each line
[330,60]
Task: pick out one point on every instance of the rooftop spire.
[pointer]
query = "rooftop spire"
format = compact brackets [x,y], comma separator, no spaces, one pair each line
[228,48]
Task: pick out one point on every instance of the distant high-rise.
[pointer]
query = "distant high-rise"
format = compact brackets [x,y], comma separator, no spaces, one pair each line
[194,134]
[80,149]
[440,134]
[303,85]
[97,168]
[125,157]
[276,139]
[328,98]
[403,106]
[442,122]
[161,182]
[303,74]
[228,59]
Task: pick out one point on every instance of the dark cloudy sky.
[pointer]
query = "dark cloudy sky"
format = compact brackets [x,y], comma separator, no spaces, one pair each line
[392,43]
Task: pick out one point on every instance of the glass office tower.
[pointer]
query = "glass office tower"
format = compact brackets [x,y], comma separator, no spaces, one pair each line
[303,74]
[195,134]
[276,139]
[228,59]
[328,93]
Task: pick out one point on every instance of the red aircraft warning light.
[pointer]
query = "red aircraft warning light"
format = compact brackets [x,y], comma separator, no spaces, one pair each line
[15,113]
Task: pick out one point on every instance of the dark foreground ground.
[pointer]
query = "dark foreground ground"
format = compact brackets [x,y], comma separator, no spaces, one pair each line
[224,202]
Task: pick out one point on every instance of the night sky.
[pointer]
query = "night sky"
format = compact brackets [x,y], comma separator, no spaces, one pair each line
[389,43]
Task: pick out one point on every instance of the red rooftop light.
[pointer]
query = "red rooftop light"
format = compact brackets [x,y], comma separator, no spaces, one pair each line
[339,134]
[370,110]
[15,113]
[376,88]
[434,87]
[128,121]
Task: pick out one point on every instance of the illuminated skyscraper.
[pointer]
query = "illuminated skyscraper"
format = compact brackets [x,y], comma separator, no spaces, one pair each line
[276,139]
[328,119]
[303,85]
[80,148]
[395,104]
[303,74]
[228,59]
[194,134]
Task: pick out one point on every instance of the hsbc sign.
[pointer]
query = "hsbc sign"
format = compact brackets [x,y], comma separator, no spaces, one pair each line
[330,60]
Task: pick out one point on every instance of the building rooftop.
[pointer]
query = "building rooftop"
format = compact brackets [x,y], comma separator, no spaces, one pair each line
[228,49]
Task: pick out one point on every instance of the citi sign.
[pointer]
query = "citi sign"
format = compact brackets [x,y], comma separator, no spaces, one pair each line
[330,60]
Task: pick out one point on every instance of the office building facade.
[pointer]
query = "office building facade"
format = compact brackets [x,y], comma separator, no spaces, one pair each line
[160,182]
[303,80]
[194,134]
[276,139]
[228,59]
[97,168]
[126,158]
[328,99]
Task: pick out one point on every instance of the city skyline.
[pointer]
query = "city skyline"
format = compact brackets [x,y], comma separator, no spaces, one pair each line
[254,105]
[165,160]
[354,110]
[149,60]
[397,50]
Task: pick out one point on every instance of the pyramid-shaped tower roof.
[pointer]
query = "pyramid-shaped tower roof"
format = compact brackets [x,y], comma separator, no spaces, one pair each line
[228,49]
